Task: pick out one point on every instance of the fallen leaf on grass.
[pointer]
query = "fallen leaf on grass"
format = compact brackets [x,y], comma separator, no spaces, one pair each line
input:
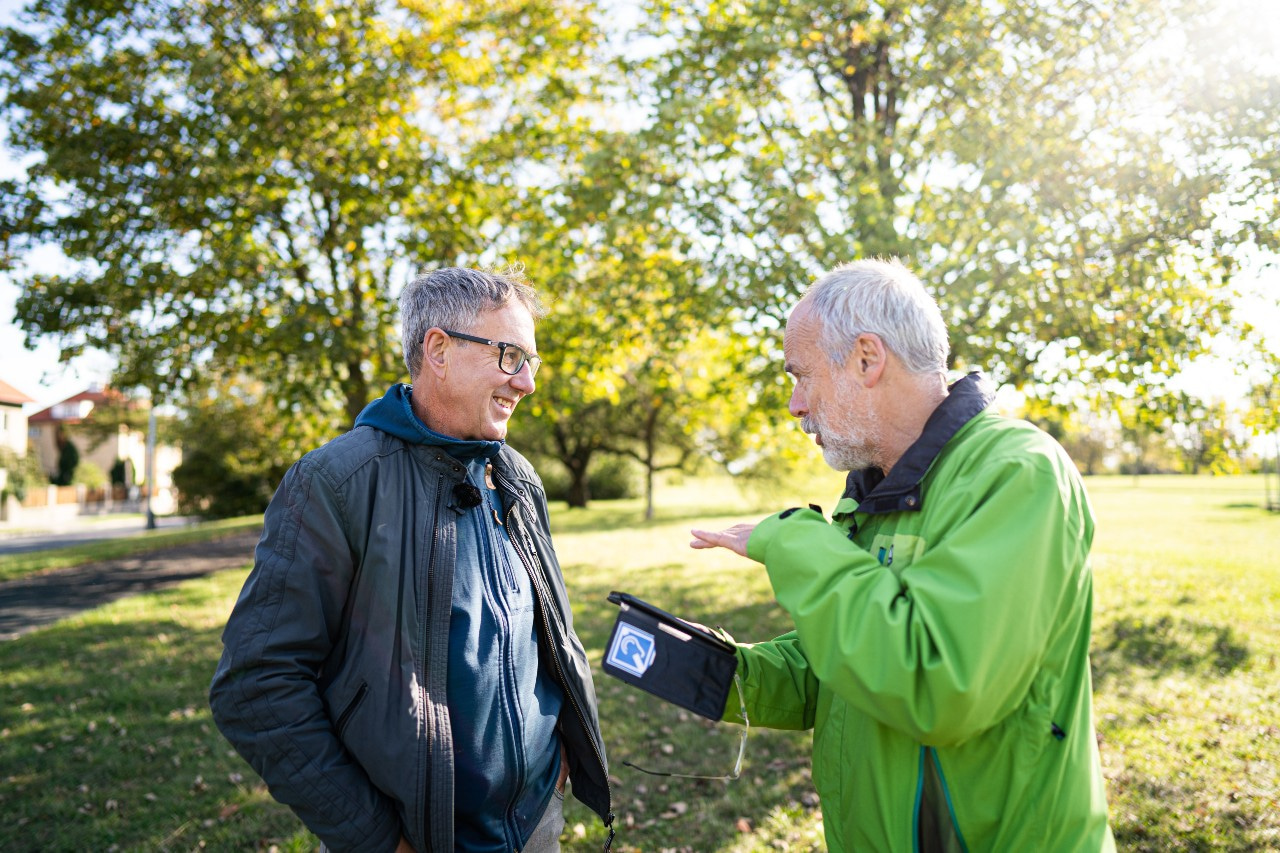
[674,810]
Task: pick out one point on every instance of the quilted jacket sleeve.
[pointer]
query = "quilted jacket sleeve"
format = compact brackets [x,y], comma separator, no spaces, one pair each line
[265,695]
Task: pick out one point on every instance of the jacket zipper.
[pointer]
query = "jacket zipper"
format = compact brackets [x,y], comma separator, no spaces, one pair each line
[422,678]
[929,759]
[538,593]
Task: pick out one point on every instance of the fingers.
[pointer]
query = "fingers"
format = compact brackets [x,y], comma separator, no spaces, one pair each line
[735,538]
[704,539]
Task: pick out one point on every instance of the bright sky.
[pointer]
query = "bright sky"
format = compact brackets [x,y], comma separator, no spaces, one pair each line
[37,372]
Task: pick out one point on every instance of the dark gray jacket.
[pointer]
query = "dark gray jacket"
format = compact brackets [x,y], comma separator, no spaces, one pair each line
[332,679]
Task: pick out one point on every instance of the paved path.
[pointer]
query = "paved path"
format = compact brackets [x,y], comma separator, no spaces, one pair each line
[81,530]
[35,601]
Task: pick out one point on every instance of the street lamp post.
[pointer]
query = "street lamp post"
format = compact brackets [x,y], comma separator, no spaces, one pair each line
[151,462]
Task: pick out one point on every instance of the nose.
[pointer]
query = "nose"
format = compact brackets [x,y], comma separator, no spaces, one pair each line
[522,381]
[798,406]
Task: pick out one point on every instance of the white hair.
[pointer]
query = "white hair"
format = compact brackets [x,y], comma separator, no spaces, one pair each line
[884,298]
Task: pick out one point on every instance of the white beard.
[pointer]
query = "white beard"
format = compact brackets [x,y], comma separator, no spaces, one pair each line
[852,448]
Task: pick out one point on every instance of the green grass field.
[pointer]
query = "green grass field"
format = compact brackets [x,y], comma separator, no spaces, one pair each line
[106,742]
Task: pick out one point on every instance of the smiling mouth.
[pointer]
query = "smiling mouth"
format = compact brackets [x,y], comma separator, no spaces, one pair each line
[506,404]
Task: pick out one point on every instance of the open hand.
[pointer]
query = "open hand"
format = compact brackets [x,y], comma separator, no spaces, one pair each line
[735,538]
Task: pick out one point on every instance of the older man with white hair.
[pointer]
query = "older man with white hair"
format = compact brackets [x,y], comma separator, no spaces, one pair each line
[942,615]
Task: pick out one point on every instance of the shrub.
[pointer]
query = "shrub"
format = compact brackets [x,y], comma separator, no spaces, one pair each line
[68,459]
[24,473]
[610,478]
[89,475]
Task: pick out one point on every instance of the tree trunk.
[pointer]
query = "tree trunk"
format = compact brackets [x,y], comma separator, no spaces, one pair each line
[579,488]
[650,441]
[579,483]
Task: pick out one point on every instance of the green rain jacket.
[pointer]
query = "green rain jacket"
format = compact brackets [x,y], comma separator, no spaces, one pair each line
[941,644]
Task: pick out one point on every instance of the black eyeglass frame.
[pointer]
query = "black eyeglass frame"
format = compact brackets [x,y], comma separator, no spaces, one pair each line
[532,360]
[742,747]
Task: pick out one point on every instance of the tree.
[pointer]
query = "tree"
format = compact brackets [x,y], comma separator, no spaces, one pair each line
[237,444]
[68,460]
[242,186]
[1206,437]
[642,358]
[1071,179]
[1144,425]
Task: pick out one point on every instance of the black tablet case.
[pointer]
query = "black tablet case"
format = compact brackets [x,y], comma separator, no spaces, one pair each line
[670,658]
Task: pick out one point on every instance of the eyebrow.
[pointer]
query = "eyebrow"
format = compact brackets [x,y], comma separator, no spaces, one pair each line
[528,351]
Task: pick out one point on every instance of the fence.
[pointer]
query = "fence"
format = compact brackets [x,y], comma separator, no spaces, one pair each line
[54,505]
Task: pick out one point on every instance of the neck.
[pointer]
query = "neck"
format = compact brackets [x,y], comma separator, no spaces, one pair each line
[418,403]
[910,405]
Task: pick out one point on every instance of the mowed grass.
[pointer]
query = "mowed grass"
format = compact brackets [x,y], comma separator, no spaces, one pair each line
[1185,649]
[106,740]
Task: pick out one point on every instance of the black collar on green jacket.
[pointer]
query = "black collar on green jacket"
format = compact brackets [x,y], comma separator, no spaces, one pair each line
[901,491]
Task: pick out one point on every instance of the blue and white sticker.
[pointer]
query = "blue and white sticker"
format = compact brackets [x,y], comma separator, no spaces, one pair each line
[633,650]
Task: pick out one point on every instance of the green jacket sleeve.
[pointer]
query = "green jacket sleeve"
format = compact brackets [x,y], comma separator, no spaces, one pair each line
[947,647]
[780,690]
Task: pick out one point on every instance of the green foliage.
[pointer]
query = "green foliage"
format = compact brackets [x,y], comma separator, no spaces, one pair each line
[90,475]
[1205,437]
[237,444]
[24,473]
[609,478]
[644,357]
[243,187]
[1263,414]
[1056,172]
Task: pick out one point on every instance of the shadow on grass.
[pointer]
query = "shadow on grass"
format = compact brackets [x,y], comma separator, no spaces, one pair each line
[108,744]
[1153,816]
[1166,644]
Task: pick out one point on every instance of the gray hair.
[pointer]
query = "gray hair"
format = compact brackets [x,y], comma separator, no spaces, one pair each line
[453,298]
[885,298]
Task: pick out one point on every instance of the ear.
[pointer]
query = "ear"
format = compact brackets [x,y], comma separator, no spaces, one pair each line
[435,352]
[868,359]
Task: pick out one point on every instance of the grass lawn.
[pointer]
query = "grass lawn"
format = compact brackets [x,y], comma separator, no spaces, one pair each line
[106,740]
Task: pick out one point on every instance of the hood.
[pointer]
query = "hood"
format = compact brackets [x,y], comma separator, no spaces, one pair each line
[392,413]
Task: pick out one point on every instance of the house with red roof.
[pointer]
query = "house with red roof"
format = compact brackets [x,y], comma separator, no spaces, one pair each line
[122,444]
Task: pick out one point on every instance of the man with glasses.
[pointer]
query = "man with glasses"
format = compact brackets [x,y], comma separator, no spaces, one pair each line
[941,643]
[401,666]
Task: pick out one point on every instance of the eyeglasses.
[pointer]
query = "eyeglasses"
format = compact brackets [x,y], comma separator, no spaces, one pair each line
[742,746]
[510,357]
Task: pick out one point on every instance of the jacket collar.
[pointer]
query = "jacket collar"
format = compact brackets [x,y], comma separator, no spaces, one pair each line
[393,413]
[901,491]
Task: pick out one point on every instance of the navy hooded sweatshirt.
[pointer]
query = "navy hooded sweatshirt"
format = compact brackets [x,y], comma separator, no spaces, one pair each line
[503,706]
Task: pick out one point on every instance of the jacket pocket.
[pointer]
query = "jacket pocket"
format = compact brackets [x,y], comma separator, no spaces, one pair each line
[349,711]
